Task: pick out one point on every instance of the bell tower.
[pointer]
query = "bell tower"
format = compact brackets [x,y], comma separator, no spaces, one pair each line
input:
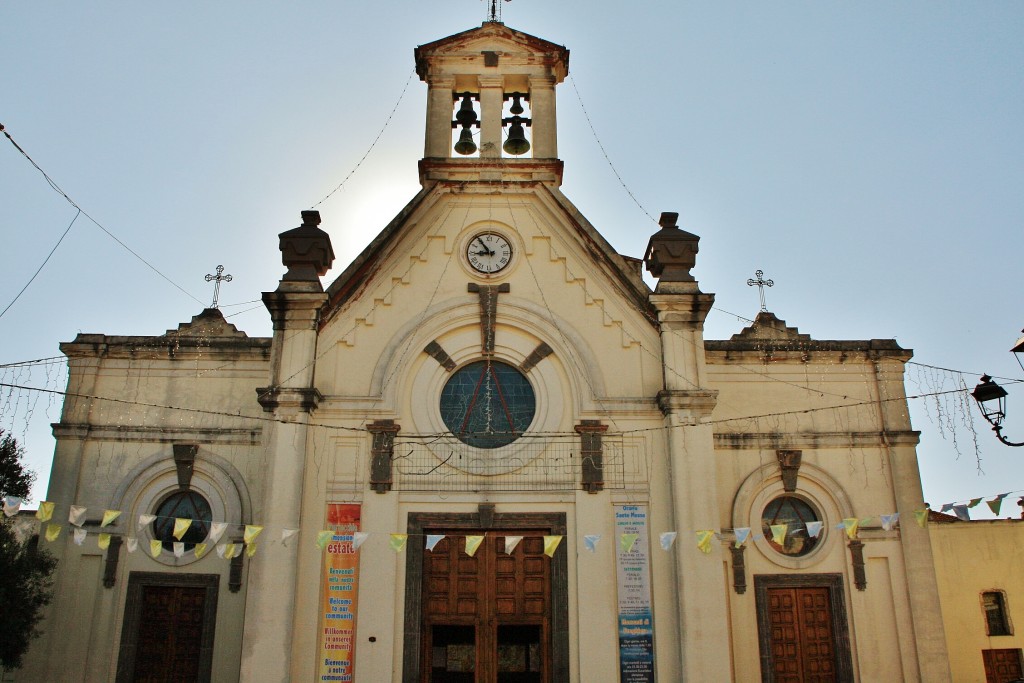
[491,104]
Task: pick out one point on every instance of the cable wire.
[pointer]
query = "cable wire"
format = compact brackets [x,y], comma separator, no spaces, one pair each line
[45,261]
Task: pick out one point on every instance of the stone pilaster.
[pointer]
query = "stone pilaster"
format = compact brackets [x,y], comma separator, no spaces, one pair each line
[542,111]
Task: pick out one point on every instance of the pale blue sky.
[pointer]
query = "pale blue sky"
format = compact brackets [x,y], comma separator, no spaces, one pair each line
[869,157]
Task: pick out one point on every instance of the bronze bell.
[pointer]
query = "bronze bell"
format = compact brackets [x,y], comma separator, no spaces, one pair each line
[465,145]
[466,116]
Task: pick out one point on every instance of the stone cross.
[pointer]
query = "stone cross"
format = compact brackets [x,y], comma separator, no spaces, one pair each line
[761,284]
[216,280]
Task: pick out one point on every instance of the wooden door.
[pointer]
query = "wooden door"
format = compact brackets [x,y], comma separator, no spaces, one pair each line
[486,618]
[1002,665]
[801,633]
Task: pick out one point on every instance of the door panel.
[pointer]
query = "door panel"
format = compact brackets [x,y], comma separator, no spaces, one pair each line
[801,633]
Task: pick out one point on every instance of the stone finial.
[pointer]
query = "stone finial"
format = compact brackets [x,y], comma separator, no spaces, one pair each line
[671,252]
[306,250]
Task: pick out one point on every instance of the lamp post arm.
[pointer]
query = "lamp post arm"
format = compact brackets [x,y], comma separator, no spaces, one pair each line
[999,435]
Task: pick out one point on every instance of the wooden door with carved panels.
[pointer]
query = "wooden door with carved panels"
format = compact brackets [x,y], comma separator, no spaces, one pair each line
[486,618]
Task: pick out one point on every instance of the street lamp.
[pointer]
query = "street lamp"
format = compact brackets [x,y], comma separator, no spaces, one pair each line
[991,397]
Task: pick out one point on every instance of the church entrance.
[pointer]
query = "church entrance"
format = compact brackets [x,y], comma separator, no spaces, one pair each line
[802,629]
[493,617]
[168,628]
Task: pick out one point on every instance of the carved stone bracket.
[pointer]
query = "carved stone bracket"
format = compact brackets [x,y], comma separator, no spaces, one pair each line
[488,311]
[860,577]
[381,454]
[592,450]
[434,350]
[184,461]
[789,464]
[112,559]
[739,569]
[537,355]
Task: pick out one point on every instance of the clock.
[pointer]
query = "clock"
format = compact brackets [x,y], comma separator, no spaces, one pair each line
[488,252]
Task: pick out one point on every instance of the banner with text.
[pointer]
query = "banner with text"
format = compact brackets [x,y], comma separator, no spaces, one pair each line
[340,584]
[636,624]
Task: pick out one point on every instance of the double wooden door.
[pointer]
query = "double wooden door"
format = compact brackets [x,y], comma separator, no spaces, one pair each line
[802,635]
[486,617]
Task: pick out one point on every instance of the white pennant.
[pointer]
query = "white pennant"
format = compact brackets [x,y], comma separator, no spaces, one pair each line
[179,549]
[133,544]
[286,534]
[77,515]
[590,542]
[889,521]
[217,530]
[433,540]
[79,536]
[146,519]
[742,534]
[814,528]
[11,505]
[667,538]
[358,538]
[511,542]
[220,550]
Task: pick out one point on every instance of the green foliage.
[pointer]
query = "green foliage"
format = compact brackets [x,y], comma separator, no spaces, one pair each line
[15,480]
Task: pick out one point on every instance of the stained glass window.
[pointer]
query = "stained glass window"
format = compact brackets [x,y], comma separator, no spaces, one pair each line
[182,505]
[795,514]
[487,404]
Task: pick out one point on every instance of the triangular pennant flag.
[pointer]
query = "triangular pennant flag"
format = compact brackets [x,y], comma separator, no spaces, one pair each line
[667,538]
[45,511]
[250,549]
[251,532]
[133,544]
[889,521]
[946,507]
[222,550]
[961,513]
[79,536]
[217,530]
[11,505]
[146,519]
[109,516]
[551,545]
[229,550]
[181,525]
[779,533]
[851,524]
[511,542]
[627,541]
[286,534]
[995,504]
[814,528]
[200,550]
[52,532]
[103,541]
[397,542]
[590,542]
[358,538]
[866,522]
[974,502]
[472,543]
[433,540]
[155,547]
[77,515]
[323,538]
[704,539]
[742,534]
[178,548]
[921,516]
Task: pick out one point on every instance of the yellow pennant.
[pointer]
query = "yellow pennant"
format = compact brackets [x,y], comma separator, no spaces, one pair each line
[155,547]
[551,545]
[109,516]
[251,532]
[921,516]
[323,537]
[250,549]
[397,542]
[704,541]
[229,551]
[103,541]
[52,531]
[472,543]
[181,525]
[627,541]
[45,511]
[779,533]
[200,550]
[851,524]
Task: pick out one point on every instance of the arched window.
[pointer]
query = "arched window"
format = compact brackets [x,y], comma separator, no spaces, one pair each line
[795,513]
[182,505]
[488,404]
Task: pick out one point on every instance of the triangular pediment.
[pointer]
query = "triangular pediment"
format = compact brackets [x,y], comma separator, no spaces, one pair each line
[767,326]
[208,324]
[494,37]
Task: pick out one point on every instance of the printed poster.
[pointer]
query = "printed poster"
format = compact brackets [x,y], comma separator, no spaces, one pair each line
[633,571]
[340,585]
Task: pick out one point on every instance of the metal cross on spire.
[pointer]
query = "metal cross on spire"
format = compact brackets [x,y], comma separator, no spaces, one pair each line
[761,284]
[494,10]
[217,279]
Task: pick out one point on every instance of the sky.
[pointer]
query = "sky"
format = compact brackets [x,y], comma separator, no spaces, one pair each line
[868,157]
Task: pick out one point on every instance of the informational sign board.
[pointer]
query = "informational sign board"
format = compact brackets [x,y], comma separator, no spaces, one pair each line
[633,571]
[339,587]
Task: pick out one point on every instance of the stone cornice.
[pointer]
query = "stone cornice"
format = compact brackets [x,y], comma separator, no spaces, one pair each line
[293,399]
[294,310]
[682,308]
[813,440]
[501,170]
[696,403]
[180,348]
[245,436]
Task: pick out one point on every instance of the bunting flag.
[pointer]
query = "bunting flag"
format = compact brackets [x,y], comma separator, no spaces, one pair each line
[814,528]
[52,532]
[921,516]
[511,542]
[79,536]
[323,537]
[358,538]
[103,541]
[11,505]
[222,550]
[109,516]
[155,547]
[133,544]
[667,538]
[850,524]
[250,549]
[993,504]
[472,543]
[742,534]
[946,507]
[590,542]
[76,515]
[397,542]
[45,511]
[864,522]
[889,521]
[217,530]
[433,540]
[704,541]
[551,545]
[627,541]
[181,525]
[961,513]
[251,532]
[200,550]
[178,548]
[779,533]
[286,534]
[146,519]
[974,502]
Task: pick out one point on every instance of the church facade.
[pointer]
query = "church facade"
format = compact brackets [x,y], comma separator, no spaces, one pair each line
[488,451]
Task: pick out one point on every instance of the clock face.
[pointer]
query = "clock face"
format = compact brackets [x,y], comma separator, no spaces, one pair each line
[488,252]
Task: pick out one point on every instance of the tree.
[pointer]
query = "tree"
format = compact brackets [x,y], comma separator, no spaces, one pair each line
[25,569]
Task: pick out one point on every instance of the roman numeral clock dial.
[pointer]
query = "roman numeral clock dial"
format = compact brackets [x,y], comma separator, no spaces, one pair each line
[488,253]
